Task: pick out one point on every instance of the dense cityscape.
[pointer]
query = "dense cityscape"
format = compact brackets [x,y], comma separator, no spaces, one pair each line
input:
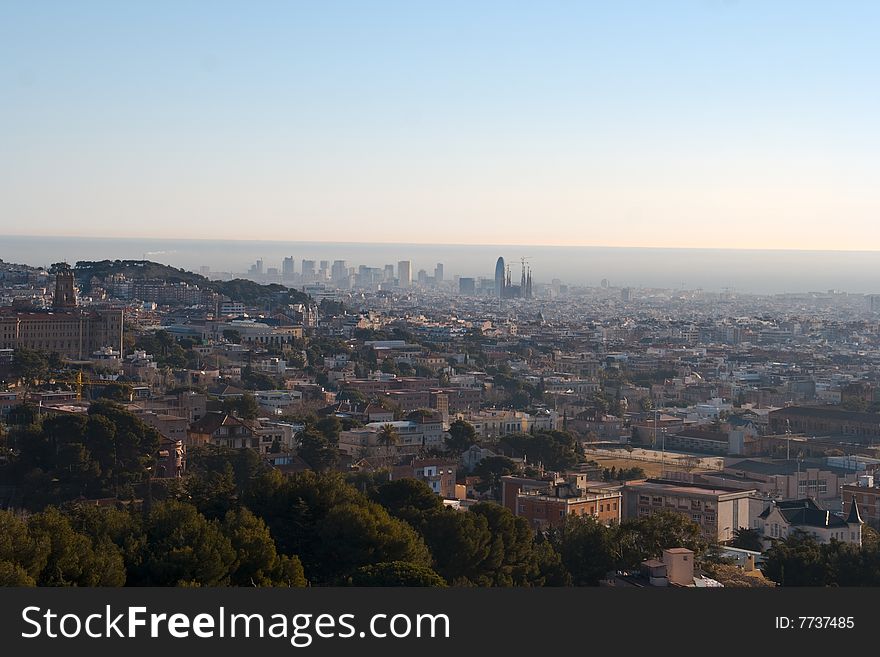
[317,423]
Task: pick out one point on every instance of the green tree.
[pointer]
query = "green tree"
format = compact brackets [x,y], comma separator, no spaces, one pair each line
[747,539]
[388,437]
[110,528]
[120,392]
[30,366]
[331,526]
[246,464]
[550,565]
[12,574]
[796,561]
[257,562]
[463,549]
[557,450]
[520,400]
[22,415]
[396,573]
[461,436]
[134,443]
[231,335]
[585,547]
[512,559]
[329,426]
[490,470]
[258,380]
[25,554]
[74,559]
[214,491]
[408,499]
[183,547]
[245,406]
[356,535]
[638,539]
[317,451]
[353,396]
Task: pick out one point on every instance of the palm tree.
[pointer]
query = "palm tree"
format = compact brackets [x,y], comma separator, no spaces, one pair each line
[388,436]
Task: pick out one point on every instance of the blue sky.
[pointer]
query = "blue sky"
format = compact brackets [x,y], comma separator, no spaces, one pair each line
[702,123]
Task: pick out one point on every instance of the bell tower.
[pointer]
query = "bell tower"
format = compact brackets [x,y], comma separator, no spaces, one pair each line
[65,295]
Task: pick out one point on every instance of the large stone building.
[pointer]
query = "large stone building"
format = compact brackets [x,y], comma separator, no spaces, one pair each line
[785,479]
[854,426]
[719,510]
[70,331]
[548,503]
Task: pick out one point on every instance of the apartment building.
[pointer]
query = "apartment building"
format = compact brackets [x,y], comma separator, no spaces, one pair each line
[494,423]
[719,511]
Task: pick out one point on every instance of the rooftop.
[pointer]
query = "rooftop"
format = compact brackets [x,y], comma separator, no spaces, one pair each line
[829,413]
[684,488]
[806,513]
[786,467]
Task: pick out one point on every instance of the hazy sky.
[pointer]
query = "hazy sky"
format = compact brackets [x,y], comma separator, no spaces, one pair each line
[652,123]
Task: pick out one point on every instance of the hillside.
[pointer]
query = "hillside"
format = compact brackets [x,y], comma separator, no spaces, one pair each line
[239,289]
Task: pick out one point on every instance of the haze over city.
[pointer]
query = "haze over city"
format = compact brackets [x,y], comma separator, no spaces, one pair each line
[463,295]
[741,270]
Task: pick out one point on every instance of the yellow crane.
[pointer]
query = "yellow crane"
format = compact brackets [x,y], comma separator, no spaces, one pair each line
[80,381]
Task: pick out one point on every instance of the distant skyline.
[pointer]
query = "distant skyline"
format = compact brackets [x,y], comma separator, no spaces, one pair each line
[754,271]
[685,124]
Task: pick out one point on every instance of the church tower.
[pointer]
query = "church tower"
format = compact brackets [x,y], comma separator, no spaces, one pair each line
[65,295]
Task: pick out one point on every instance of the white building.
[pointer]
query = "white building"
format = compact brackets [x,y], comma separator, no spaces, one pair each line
[493,423]
[780,519]
[413,436]
[278,402]
[234,308]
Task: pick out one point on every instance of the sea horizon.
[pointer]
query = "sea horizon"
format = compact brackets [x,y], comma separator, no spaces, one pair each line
[751,271]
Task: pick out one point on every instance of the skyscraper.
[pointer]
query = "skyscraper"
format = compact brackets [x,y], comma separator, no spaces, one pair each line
[339,271]
[287,267]
[404,273]
[438,273]
[499,278]
[308,271]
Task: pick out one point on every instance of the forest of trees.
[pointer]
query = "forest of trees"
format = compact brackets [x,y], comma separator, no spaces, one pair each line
[91,515]
[800,560]
[240,525]
[233,520]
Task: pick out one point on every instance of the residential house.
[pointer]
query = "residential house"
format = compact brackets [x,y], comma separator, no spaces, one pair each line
[780,519]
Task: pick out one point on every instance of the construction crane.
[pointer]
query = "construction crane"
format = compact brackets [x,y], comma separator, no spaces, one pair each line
[79,382]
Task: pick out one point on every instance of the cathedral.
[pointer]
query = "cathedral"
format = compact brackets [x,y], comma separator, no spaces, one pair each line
[504,289]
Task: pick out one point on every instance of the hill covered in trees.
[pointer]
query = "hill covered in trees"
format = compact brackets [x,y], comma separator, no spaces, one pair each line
[238,289]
